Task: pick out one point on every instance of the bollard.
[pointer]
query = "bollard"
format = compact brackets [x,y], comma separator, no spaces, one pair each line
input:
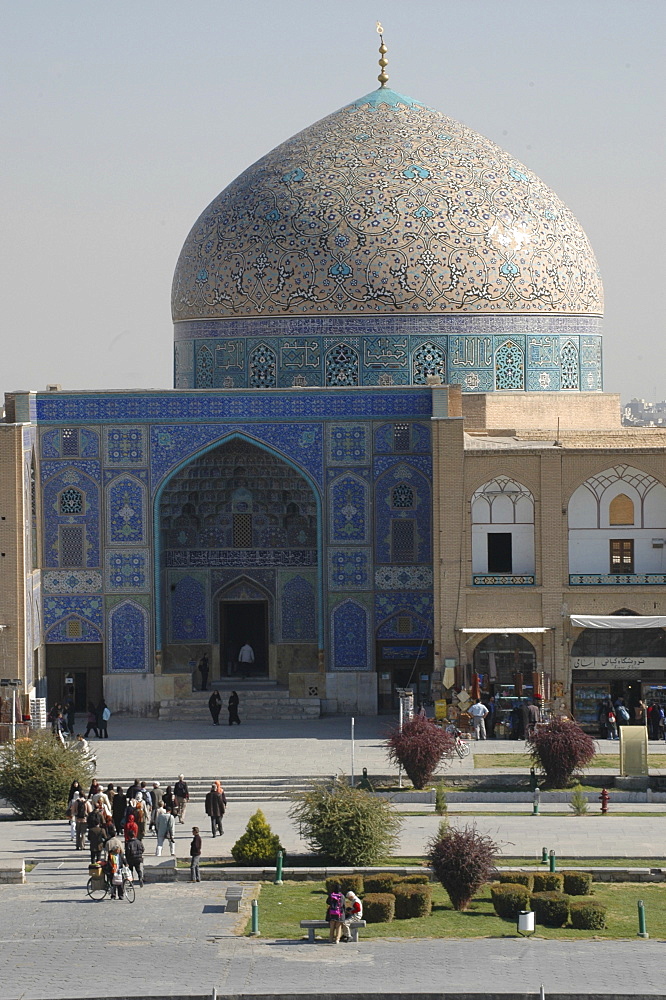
[553,861]
[642,931]
[255,918]
[533,779]
[278,869]
[535,802]
[544,855]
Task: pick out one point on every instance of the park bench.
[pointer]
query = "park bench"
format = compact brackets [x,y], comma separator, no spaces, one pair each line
[314,925]
[233,896]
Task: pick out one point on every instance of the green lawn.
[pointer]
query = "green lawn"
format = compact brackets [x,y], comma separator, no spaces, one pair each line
[523,760]
[282,907]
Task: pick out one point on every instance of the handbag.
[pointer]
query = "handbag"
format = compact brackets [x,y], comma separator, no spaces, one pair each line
[106,714]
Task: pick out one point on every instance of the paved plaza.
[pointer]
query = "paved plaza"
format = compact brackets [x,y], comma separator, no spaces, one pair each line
[50,931]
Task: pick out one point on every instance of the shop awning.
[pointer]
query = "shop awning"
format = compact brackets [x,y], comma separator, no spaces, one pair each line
[505,631]
[618,621]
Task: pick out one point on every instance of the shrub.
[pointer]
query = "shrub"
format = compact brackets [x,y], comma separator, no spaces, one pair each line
[347,883]
[36,773]
[548,882]
[587,915]
[258,845]
[560,749]
[348,825]
[419,748]
[509,899]
[441,807]
[414,880]
[577,883]
[550,908]
[462,860]
[379,907]
[383,882]
[578,802]
[517,878]
[412,901]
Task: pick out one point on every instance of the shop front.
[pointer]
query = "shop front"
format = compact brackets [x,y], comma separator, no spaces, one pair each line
[403,665]
[617,657]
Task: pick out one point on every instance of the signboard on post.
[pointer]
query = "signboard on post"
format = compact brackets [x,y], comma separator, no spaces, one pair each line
[633,750]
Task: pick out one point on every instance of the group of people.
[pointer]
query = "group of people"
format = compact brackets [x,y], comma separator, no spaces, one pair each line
[340,911]
[613,714]
[215,707]
[62,719]
[523,717]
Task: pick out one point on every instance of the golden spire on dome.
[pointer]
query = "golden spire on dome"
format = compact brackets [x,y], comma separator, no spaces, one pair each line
[383,61]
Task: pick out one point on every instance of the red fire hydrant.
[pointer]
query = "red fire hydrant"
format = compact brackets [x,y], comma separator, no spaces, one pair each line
[603,798]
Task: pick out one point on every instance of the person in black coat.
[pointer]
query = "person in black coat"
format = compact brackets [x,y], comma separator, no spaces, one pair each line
[232,705]
[215,707]
[118,807]
[216,804]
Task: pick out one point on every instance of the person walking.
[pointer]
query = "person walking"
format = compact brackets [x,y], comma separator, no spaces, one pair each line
[70,715]
[134,853]
[80,820]
[478,712]
[203,670]
[215,707]
[141,814]
[195,855]
[155,803]
[115,859]
[181,795]
[533,717]
[103,716]
[118,807]
[165,825]
[96,839]
[91,721]
[233,708]
[216,804]
[245,658]
[491,718]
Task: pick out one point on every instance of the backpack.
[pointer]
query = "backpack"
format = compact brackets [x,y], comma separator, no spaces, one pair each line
[623,712]
[335,907]
[80,809]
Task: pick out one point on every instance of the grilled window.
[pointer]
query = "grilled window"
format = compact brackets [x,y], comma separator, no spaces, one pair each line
[403,537]
[622,555]
[242,531]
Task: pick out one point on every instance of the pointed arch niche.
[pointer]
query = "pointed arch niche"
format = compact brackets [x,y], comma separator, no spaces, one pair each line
[503,551]
[239,514]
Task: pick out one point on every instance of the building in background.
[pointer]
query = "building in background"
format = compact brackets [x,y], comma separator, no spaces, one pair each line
[387,459]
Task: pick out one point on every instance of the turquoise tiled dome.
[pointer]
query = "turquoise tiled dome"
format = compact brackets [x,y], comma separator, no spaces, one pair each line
[385,209]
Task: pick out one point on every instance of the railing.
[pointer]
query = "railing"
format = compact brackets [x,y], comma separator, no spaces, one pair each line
[500,580]
[616,579]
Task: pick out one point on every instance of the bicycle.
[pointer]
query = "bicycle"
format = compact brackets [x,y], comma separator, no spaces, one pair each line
[98,888]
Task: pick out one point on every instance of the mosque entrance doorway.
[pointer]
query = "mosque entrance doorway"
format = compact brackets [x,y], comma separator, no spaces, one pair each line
[243,622]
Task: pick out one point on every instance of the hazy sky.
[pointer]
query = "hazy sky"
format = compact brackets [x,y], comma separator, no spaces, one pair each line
[122,120]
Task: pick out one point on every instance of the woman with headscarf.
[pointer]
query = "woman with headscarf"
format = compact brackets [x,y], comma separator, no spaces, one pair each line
[353,911]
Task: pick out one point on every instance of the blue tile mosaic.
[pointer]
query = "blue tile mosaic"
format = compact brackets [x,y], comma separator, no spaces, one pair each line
[61,547]
[128,638]
[127,571]
[350,637]
[349,569]
[126,511]
[298,611]
[392,608]
[348,444]
[188,611]
[348,509]
[125,446]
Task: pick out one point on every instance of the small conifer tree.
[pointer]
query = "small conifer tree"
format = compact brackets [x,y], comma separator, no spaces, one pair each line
[258,845]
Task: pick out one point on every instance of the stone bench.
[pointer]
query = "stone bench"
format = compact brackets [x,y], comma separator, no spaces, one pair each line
[314,925]
[234,896]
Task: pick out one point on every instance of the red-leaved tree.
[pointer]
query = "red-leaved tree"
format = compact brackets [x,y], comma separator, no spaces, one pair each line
[463,861]
[419,748]
[560,749]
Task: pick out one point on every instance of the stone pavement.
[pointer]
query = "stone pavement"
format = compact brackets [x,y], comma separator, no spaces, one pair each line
[176,939]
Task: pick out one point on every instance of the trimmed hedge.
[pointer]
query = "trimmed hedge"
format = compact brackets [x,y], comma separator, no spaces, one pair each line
[383,882]
[577,883]
[412,901]
[587,915]
[379,907]
[548,882]
[550,908]
[517,878]
[414,880]
[509,899]
[347,883]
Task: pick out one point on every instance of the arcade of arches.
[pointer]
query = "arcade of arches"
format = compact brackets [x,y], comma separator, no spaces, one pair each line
[238,531]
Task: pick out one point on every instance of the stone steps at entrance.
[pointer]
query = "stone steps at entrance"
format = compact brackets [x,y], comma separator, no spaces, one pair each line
[255,704]
[237,789]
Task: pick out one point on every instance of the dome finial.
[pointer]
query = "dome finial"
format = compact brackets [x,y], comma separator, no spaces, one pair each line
[383,61]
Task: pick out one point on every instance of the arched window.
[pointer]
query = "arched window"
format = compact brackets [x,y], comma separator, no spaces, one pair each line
[263,367]
[621,510]
[502,513]
[72,501]
[428,359]
[402,496]
[342,365]
[204,368]
[509,366]
[570,378]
